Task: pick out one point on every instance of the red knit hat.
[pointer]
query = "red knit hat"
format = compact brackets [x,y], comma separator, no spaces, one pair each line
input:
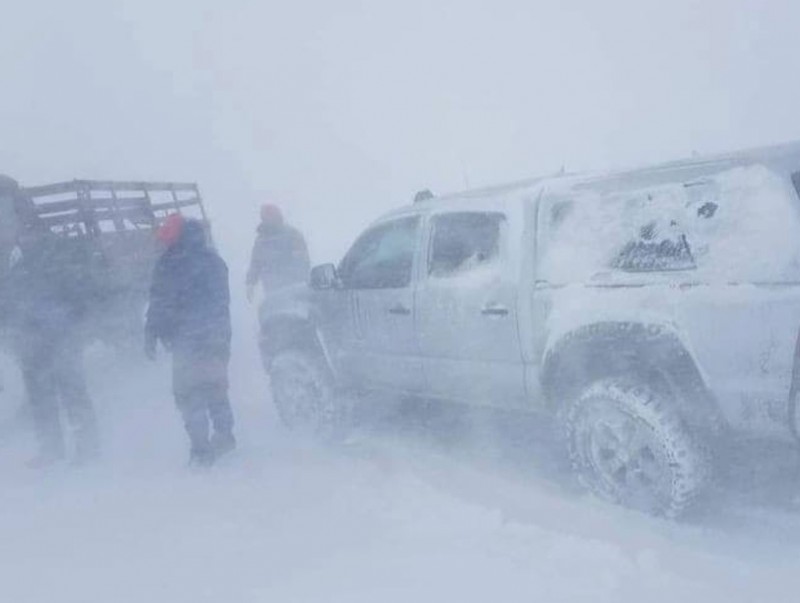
[271,214]
[170,230]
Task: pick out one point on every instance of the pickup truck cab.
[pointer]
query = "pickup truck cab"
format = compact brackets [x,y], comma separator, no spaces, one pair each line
[652,312]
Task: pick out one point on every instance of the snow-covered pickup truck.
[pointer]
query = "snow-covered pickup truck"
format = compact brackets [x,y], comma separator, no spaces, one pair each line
[652,312]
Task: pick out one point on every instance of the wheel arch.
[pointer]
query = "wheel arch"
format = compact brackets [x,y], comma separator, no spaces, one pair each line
[652,352]
[290,331]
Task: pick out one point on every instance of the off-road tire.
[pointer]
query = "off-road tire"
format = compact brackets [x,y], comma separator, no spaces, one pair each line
[305,397]
[662,467]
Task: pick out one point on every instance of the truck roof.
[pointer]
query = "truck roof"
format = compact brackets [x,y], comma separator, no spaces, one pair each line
[783,156]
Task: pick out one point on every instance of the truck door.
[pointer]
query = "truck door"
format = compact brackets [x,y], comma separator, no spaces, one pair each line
[467,311]
[379,349]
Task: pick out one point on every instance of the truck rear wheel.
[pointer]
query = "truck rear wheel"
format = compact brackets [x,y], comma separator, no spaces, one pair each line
[628,445]
[303,393]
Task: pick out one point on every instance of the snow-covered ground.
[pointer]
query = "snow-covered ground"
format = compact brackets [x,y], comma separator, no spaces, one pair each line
[409,510]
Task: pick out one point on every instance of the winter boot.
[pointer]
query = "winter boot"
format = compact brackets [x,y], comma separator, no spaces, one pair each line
[87,442]
[86,451]
[201,458]
[46,457]
[222,443]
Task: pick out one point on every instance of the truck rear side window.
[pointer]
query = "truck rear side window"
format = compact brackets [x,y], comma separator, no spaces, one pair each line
[732,226]
[462,242]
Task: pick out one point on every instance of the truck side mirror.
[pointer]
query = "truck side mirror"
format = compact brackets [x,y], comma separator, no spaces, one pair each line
[324,277]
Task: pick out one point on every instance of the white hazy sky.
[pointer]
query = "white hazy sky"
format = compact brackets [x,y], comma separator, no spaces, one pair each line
[340,110]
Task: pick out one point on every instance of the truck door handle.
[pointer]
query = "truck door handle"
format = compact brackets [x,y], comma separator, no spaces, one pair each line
[399,309]
[495,311]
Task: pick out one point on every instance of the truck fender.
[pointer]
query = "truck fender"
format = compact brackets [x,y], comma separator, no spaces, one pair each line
[652,352]
[295,331]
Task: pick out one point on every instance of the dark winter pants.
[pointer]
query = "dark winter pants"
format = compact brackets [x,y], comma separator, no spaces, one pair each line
[53,372]
[200,385]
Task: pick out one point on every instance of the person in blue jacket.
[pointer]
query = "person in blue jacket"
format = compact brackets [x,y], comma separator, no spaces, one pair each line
[189,314]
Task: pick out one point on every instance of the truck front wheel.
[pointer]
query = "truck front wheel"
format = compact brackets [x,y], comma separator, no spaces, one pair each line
[628,445]
[303,393]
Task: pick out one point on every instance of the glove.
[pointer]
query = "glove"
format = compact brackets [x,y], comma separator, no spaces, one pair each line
[150,346]
[251,292]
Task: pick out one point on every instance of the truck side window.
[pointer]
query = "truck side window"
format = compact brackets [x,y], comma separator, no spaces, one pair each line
[383,257]
[463,241]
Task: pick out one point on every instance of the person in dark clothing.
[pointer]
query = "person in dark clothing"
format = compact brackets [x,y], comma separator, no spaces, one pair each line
[50,290]
[189,313]
[280,254]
